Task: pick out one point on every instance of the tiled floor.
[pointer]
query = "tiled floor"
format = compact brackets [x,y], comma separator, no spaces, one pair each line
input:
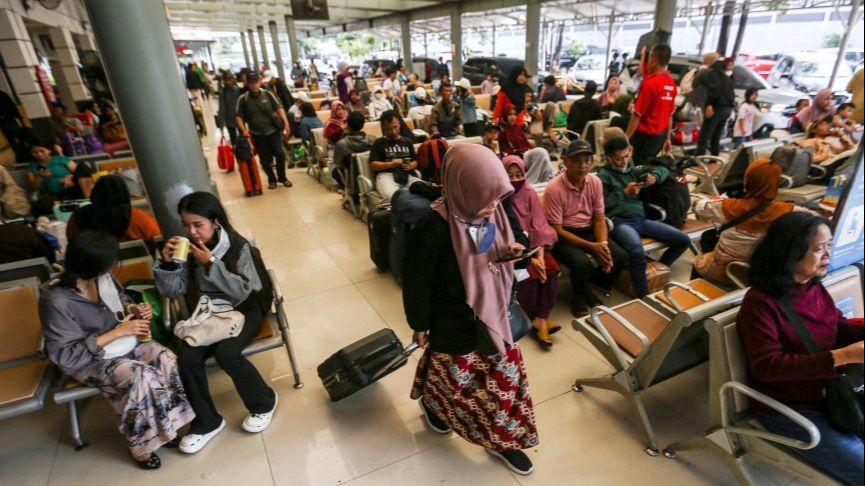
[334,297]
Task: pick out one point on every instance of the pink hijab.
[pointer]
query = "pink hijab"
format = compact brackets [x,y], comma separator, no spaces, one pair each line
[333,120]
[473,177]
[814,112]
[528,210]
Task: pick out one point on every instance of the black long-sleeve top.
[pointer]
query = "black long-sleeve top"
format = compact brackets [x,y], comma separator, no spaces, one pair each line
[434,296]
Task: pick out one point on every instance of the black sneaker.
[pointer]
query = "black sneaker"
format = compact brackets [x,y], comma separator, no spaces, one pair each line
[432,420]
[516,461]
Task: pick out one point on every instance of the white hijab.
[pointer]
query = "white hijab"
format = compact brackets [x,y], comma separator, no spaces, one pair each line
[539,168]
[379,102]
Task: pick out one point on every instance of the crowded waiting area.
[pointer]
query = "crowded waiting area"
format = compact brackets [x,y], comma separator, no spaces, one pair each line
[426,242]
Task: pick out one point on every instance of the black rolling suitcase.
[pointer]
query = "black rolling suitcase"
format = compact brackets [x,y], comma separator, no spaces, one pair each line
[357,365]
[379,236]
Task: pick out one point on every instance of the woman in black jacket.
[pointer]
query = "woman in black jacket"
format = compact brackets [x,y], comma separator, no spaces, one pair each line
[471,378]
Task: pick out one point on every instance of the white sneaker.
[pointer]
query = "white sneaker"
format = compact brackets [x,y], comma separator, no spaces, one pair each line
[257,422]
[192,443]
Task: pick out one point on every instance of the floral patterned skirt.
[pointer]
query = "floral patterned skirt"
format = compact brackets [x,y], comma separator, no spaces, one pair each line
[145,391]
[484,398]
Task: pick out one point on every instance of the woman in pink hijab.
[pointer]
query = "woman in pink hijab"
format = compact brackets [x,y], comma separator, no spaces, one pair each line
[471,378]
[538,289]
[820,108]
[334,128]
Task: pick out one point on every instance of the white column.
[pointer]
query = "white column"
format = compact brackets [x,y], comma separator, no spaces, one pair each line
[533,35]
[456,43]
[69,81]
[292,38]
[20,59]
[405,43]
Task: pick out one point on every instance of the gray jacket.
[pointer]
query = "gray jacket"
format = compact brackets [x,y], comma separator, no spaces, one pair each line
[71,323]
[217,282]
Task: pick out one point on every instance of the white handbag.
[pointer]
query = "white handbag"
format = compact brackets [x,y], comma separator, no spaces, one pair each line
[209,324]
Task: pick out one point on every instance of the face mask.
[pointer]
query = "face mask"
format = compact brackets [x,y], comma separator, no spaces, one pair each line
[518,185]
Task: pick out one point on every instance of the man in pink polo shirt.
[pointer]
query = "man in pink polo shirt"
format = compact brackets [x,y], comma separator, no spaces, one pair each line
[574,203]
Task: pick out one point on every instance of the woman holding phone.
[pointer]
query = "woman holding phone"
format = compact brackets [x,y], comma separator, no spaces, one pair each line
[471,378]
[97,335]
[538,289]
[222,265]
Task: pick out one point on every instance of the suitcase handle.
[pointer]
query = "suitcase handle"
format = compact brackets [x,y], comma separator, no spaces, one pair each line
[396,360]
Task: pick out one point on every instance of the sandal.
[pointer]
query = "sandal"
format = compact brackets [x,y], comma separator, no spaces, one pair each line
[553,328]
[153,462]
[287,183]
[272,185]
[543,337]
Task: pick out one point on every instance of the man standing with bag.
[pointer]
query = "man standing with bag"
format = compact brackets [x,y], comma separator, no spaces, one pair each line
[651,121]
[261,115]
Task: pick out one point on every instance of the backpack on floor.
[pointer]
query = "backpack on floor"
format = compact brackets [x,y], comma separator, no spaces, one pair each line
[407,210]
[672,195]
[795,163]
[430,155]
[684,133]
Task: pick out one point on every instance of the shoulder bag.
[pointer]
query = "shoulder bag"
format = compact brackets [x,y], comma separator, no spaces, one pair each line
[274,115]
[843,394]
[209,324]
[709,238]
[518,319]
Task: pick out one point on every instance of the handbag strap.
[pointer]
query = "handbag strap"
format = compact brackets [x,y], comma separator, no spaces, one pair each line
[270,99]
[795,319]
[744,217]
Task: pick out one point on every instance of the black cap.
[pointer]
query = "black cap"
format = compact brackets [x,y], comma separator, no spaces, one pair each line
[252,77]
[578,146]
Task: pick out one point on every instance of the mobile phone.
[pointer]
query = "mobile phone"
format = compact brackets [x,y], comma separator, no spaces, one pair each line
[514,258]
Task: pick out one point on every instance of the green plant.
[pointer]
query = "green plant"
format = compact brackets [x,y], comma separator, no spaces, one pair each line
[832,40]
[355,46]
[576,48]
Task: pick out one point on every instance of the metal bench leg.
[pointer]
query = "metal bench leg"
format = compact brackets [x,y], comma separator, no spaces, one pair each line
[286,341]
[640,411]
[75,427]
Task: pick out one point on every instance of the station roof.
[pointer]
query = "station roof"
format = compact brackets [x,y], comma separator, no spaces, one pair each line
[428,16]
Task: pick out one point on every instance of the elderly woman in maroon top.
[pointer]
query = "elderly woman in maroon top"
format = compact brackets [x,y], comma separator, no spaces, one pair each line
[786,267]
[537,293]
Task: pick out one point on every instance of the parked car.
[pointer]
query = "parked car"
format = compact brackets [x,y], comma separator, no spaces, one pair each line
[762,64]
[853,56]
[475,69]
[369,66]
[776,104]
[809,72]
[590,68]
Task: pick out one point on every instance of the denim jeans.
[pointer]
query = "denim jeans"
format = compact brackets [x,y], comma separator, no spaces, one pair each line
[838,454]
[628,233]
[738,141]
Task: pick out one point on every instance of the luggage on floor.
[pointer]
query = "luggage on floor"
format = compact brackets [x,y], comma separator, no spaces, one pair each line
[407,210]
[63,210]
[684,133]
[657,275]
[250,176]
[379,236]
[224,156]
[357,365]
[795,162]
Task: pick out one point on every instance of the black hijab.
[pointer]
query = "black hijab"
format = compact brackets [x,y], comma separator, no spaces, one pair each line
[515,91]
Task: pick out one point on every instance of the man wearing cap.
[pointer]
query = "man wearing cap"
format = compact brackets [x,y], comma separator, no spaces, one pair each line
[584,110]
[574,204]
[468,109]
[261,115]
[652,119]
[446,118]
[423,109]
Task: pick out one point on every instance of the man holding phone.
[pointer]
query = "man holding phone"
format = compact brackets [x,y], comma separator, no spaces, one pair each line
[392,158]
[622,186]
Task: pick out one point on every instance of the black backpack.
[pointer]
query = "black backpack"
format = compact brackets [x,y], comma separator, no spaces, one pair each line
[795,162]
[673,194]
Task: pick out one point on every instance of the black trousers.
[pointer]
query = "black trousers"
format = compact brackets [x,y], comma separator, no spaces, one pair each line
[582,269]
[257,396]
[232,134]
[647,146]
[270,148]
[710,132]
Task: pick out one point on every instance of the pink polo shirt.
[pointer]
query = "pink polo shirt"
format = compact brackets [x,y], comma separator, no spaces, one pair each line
[571,207]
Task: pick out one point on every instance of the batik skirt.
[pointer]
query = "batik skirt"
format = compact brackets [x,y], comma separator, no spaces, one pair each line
[484,398]
[145,391]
